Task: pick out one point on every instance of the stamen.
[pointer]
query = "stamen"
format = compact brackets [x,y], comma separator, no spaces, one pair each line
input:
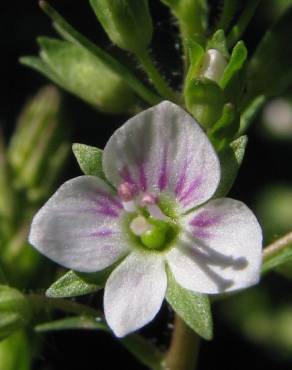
[156,212]
[140,226]
[127,191]
[148,199]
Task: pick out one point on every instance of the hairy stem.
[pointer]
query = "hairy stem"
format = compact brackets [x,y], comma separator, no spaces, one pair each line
[276,247]
[155,77]
[184,347]
[40,302]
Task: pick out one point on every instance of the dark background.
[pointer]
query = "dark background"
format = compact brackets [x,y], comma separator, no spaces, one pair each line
[20,23]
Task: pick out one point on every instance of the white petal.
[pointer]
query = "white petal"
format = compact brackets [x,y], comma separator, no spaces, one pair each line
[163,149]
[134,292]
[79,226]
[221,249]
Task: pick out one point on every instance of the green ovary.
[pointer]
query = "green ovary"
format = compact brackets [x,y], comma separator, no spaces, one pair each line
[153,234]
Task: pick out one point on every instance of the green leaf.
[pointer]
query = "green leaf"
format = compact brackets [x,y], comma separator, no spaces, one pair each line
[193,308]
[86,76]
[128,23]
[236,63]
[270,69]
[70,34]
[250,113]
[16,352]
[74,284]
[15,311]
[143,350]
[230,160]
[89,159]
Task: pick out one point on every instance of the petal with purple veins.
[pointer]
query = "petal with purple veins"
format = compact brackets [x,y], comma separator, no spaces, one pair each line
[163,149]
[220,249]
[80,227]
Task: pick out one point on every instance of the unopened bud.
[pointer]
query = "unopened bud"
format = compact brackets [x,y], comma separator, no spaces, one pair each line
[213,65]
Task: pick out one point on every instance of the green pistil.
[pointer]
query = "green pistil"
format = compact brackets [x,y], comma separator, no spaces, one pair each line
[155,238]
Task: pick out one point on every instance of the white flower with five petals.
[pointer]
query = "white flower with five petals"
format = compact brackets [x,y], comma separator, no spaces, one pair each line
[165,172]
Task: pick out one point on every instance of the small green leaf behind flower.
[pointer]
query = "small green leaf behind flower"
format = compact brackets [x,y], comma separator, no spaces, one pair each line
[89,159]
[193,308]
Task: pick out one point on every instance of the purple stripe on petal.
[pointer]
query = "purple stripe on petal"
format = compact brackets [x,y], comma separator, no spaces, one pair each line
[201,234]
[142,177]
[180,185]
[126,176]
[204,219]
[102,233]
[190,191]
[163,177]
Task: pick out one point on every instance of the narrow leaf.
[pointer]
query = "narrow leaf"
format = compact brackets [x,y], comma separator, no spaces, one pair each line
[230,160]
[89,159]
[70,34]
[270,69]
[193,308]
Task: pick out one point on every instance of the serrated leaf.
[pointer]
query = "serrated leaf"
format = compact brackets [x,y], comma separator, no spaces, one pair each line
[193,308]
[89,159]
[270,69]
[74,284]
[230,160]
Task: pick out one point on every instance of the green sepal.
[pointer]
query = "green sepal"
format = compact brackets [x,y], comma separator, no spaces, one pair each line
[218,42]
[192,307]
[74,284]
[225,128]
[15,311]
[230,159]
[89,159]
[72,35]
[140,348]
[128,23]
[204,100]
[235,65]
[86,76]
[270,68]
[196,53]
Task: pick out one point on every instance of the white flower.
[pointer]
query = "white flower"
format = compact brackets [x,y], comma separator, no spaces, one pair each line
[165,171]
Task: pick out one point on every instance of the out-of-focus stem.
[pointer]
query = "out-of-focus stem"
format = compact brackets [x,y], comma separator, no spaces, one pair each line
[184,348]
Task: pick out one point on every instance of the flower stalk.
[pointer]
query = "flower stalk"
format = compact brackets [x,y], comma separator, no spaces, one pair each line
[184,348]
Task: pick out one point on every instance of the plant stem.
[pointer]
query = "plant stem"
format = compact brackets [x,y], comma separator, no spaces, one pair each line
[275,247]
[184,347]
[41,302]
[155,77]
[237,31]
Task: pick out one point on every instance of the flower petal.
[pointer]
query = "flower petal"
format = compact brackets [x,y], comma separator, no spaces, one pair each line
[221,248]
[164,150]
[134,292]
[79,226]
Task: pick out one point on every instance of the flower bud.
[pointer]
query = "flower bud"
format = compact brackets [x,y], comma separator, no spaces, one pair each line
[37,140]
[213,65]
[15,311]
[127,22]
[85,75]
